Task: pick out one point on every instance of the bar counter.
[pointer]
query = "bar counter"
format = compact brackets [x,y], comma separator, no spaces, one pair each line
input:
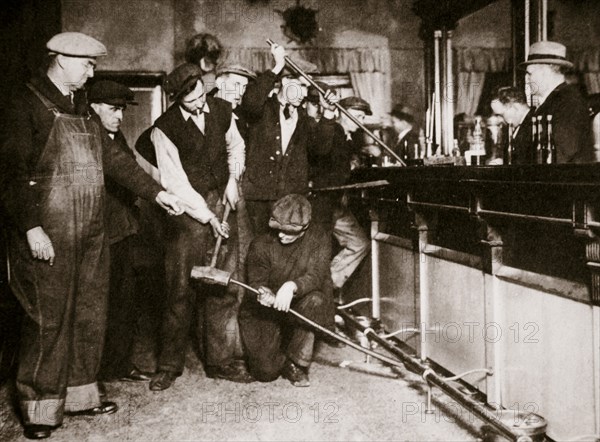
[494,268]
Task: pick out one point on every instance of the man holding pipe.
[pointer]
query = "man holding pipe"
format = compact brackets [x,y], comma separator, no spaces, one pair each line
[281,136]
[290,265]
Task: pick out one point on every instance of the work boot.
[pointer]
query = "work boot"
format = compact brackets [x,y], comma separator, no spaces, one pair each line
[234,372]
[297,375]
[162,380]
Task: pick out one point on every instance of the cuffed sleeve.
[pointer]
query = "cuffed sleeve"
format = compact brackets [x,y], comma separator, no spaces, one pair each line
[236,150]
[174,179]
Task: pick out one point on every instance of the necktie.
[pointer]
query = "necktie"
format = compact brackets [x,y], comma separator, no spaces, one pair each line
[286,112]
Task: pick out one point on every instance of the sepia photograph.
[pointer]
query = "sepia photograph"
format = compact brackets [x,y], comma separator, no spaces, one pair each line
[300,220]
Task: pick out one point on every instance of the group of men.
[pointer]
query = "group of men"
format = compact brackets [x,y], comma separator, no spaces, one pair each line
[70,184]
[565,105]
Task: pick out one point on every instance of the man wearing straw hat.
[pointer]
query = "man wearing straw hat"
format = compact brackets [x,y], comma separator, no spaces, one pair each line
[545,67]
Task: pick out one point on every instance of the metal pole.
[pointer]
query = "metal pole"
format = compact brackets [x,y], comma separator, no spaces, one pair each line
[527,27]
[437,35]
[383,358]
[308,78]
[544,18]
[449,95]
[375,288]
[413,364]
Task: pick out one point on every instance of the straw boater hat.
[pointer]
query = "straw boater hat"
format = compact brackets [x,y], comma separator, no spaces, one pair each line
[547,52]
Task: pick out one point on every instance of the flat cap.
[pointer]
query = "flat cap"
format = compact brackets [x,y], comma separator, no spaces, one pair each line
[76,44]
[291,214]
[236,69]
[356,103]
[110,92]
[306,66]
[181,79]
[313,94]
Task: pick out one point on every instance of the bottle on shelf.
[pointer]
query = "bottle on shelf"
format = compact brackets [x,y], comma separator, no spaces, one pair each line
[551,149]
[455,149]
[534,140]
[540,149]
[477,146]
[510,147]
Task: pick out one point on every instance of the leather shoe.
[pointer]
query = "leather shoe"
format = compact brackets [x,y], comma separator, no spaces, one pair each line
[298,376]
[233,372]
[162,380]
[103,408]
[32,431]
[136,375]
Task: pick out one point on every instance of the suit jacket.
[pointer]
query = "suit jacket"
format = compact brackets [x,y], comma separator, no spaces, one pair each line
[524,151]
[409,139]
[120,210]
[571,124]
[270,174]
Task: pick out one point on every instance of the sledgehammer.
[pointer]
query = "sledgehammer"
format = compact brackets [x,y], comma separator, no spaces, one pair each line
[211,275]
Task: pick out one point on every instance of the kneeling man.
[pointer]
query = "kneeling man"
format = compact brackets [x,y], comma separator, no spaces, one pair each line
[290,266]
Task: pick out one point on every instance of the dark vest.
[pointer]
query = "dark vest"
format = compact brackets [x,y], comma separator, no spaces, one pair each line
[204,157]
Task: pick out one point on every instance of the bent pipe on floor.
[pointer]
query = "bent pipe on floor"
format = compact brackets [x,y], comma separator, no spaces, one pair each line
[322,329]
[416,366]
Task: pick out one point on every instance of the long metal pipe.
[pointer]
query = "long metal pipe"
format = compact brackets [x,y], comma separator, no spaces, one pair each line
[355,120]
[416,366]
[322,329]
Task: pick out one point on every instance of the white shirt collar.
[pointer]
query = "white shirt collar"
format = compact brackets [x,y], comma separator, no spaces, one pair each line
[187,115]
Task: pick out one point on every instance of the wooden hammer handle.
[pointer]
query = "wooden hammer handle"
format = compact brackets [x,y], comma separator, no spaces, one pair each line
[215,255]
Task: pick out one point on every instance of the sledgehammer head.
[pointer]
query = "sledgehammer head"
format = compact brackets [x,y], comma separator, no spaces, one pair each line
[211,275]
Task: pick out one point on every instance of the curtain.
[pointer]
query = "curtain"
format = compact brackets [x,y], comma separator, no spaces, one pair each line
[374,88]
[468,92]
[592,82]
[328,60]
[369,68]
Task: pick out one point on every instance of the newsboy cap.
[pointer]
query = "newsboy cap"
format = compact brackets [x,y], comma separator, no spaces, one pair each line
[181,79]
[76,44]
[356,103]
[547,52]
[110,92]
[290,214]
[235,69]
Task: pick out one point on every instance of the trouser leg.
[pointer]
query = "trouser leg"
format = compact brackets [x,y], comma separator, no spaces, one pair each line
[121,318]
[220,304]
[259,213]
[314,306]
[260,329]
[89,323]
[63,331]
[355,246]
[149,259]
[185,247]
